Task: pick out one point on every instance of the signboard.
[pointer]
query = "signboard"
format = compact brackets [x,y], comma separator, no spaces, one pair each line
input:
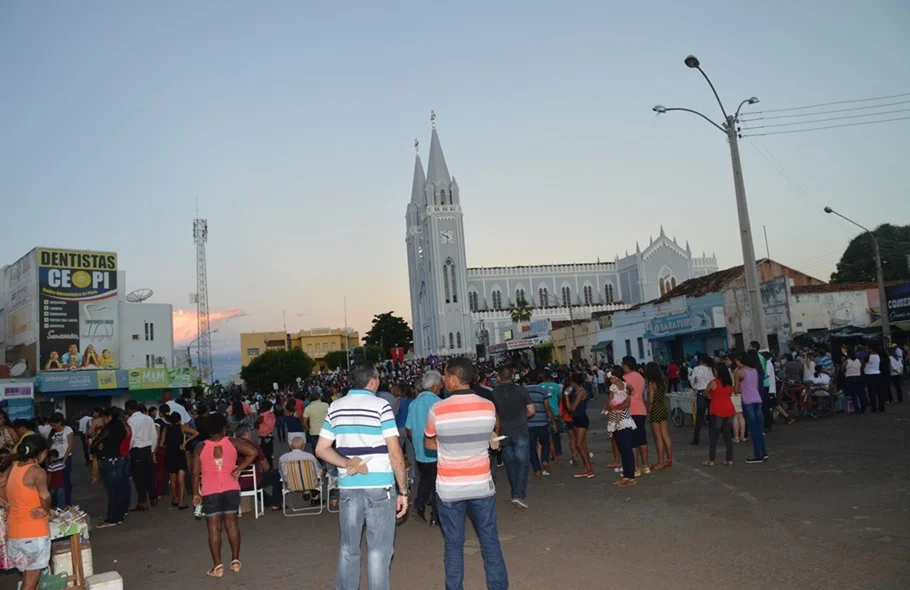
[17,390]
[514,345]
[681,323]
[64,381]
[77,309]
[148,379]
[21,280]
[898,297]
[178,377]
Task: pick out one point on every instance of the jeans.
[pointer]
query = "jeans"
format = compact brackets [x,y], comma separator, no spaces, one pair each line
[896,382]
[515,457]
[556,433]
[876,393]
[57,499]
[623,440]
[84,438]
[539,434]
[482,512]
[722,426]
[271,480]
[116,480]
[68,480]
[701,410]
[281,429]
[375,508]
[143,475]
[856,391]
[754,419]
[426,487]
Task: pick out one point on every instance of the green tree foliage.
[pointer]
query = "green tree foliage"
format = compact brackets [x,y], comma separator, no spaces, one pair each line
[336,359]
[857,264]
[388,331]
[276,366]
[521,312]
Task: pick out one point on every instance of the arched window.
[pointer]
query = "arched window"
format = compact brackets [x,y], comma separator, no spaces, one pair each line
[589,294]
[458,339]
[497,300]
[442,195]
[566,296]
[451,341]
[472,300]
[519,296]
[445,280]
[608,293]
[454,285]
[663,288]
[673,282]
[543,297]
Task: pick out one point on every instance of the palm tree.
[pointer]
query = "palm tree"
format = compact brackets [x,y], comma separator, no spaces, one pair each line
[521,312]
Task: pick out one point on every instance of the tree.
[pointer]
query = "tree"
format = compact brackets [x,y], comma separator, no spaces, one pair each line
[521,312]
[857,264]
[389,331]
[276,366]
[337,358]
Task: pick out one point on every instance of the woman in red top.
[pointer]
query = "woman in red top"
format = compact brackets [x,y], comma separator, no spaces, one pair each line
[721,412]
[673,377]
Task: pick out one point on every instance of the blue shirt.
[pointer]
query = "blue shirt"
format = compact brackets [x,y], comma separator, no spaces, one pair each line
[401,418]
[540,396]
[554,390]
[417,422]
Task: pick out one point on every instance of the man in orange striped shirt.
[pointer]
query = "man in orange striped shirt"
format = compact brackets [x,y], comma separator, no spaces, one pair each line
[459,428]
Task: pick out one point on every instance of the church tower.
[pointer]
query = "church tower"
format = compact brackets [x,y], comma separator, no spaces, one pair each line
[437,267]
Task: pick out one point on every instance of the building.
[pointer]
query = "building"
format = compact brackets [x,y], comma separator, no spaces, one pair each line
[69,329]
[454,307]
[316,343]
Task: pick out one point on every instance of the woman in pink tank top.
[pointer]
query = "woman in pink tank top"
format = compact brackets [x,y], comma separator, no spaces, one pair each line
[216,469]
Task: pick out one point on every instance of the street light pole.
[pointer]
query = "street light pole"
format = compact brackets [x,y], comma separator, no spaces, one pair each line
[880,277]
[750,270]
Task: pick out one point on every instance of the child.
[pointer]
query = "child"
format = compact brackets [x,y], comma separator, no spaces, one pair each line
[55,478]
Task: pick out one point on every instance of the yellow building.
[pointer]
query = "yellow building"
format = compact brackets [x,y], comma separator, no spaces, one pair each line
[316,343]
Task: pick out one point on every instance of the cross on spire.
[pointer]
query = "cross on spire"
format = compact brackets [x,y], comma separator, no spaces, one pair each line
[416,145]
[433,118]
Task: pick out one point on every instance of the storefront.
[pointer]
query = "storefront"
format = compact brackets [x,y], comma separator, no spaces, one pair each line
[685,335]
[72,392]
[17,398]
[523,349]
[148,385]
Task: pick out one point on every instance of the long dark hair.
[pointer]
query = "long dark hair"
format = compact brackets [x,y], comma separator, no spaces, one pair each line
[653,374]
[31,447]
[751,359]
[237,410]
[723,374]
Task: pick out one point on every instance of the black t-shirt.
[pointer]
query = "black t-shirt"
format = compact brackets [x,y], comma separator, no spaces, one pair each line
[511,402]
[107,444]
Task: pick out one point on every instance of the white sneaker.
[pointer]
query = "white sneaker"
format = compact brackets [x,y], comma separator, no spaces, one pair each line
[590,455]
[519,503]
[545,472]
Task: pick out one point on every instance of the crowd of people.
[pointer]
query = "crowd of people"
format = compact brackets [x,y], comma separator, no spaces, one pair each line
[450,421]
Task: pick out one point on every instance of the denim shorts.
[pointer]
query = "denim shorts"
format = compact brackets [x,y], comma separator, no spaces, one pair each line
[29,554]
[223,503]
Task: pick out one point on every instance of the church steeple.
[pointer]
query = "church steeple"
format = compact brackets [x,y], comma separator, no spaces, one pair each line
[417,195]
[437,171]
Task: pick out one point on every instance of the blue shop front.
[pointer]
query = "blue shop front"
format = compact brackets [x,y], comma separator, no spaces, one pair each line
[700,329]
[71,392]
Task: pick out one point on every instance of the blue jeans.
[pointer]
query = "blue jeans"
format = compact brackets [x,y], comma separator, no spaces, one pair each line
[756,423]
[57,499]
[539,434]
[515,457]
[452,520]
[116,479]
[375,508]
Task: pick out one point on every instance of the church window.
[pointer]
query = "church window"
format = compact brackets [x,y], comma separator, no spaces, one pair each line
[663,289]
[519,296]
[458,339]
[566,296]
[589,295]
[442,194]
[608,292]
[454,286]
[673,282]
[451,341]
[497,300]
[543,297]
[472,300]
[445,279]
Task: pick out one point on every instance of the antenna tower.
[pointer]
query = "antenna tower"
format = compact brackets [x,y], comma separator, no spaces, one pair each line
[204,347]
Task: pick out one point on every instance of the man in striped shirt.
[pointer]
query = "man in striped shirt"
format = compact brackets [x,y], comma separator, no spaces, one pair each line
[459,428]
[362,426]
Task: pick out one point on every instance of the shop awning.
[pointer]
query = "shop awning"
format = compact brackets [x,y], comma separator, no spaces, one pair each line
[88,392]
[601,346]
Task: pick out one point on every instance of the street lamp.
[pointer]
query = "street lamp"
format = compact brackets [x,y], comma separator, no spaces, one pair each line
[745,229]
[880,277]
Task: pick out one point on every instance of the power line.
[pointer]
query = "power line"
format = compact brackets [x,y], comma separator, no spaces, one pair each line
[838,118]
[876,106]
[826,127]
[826,104]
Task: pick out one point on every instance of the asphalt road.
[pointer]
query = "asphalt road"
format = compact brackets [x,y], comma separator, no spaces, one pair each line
[828,510]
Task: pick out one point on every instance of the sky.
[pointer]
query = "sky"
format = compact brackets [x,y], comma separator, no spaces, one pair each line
[292,124]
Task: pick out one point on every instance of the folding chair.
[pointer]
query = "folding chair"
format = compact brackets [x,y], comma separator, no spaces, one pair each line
[257,493]
[301,477]
[332,486]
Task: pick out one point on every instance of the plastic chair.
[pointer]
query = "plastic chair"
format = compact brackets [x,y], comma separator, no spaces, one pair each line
[257,493]
[301,477]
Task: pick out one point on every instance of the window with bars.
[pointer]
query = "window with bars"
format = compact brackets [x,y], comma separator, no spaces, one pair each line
[566,296]
[589,294]
[608,293]
[497,300]
[519,296]
[458,339]
[451,341]
[543,297]
[472,301]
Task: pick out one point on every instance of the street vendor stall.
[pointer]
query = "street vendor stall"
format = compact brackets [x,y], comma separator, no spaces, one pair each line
[71,524]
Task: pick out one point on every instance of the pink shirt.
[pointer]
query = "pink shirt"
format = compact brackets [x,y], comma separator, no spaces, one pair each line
[267,424]
[216,473]
[637,383]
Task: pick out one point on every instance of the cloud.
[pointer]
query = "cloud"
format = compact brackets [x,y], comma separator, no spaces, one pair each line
[185,322]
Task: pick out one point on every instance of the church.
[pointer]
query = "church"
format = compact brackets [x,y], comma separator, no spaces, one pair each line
[455,307]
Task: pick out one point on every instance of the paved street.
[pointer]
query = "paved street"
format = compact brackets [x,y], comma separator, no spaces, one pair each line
[830,509]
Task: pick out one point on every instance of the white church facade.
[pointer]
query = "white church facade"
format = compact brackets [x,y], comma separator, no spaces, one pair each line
[454,307]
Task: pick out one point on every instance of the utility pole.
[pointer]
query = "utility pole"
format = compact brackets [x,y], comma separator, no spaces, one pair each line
[767,249]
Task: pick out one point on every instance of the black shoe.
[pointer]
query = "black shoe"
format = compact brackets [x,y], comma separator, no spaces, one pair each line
[764,457]
[419,514]
[433,520]
[140,508]
[155,503]
[694,442]
[755,460]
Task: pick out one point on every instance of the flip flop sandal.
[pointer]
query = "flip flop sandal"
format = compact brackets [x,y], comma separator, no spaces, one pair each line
[216,572]
[628,483]
[708,463]
[235,566]
[728,463]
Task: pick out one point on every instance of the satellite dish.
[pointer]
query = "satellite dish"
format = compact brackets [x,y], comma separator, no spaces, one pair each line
[18,369]
[139,295]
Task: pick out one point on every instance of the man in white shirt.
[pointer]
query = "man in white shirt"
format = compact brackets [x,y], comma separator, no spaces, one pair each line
[601,381]
[85,429]
[167,401]
[142,456]
[701,376]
